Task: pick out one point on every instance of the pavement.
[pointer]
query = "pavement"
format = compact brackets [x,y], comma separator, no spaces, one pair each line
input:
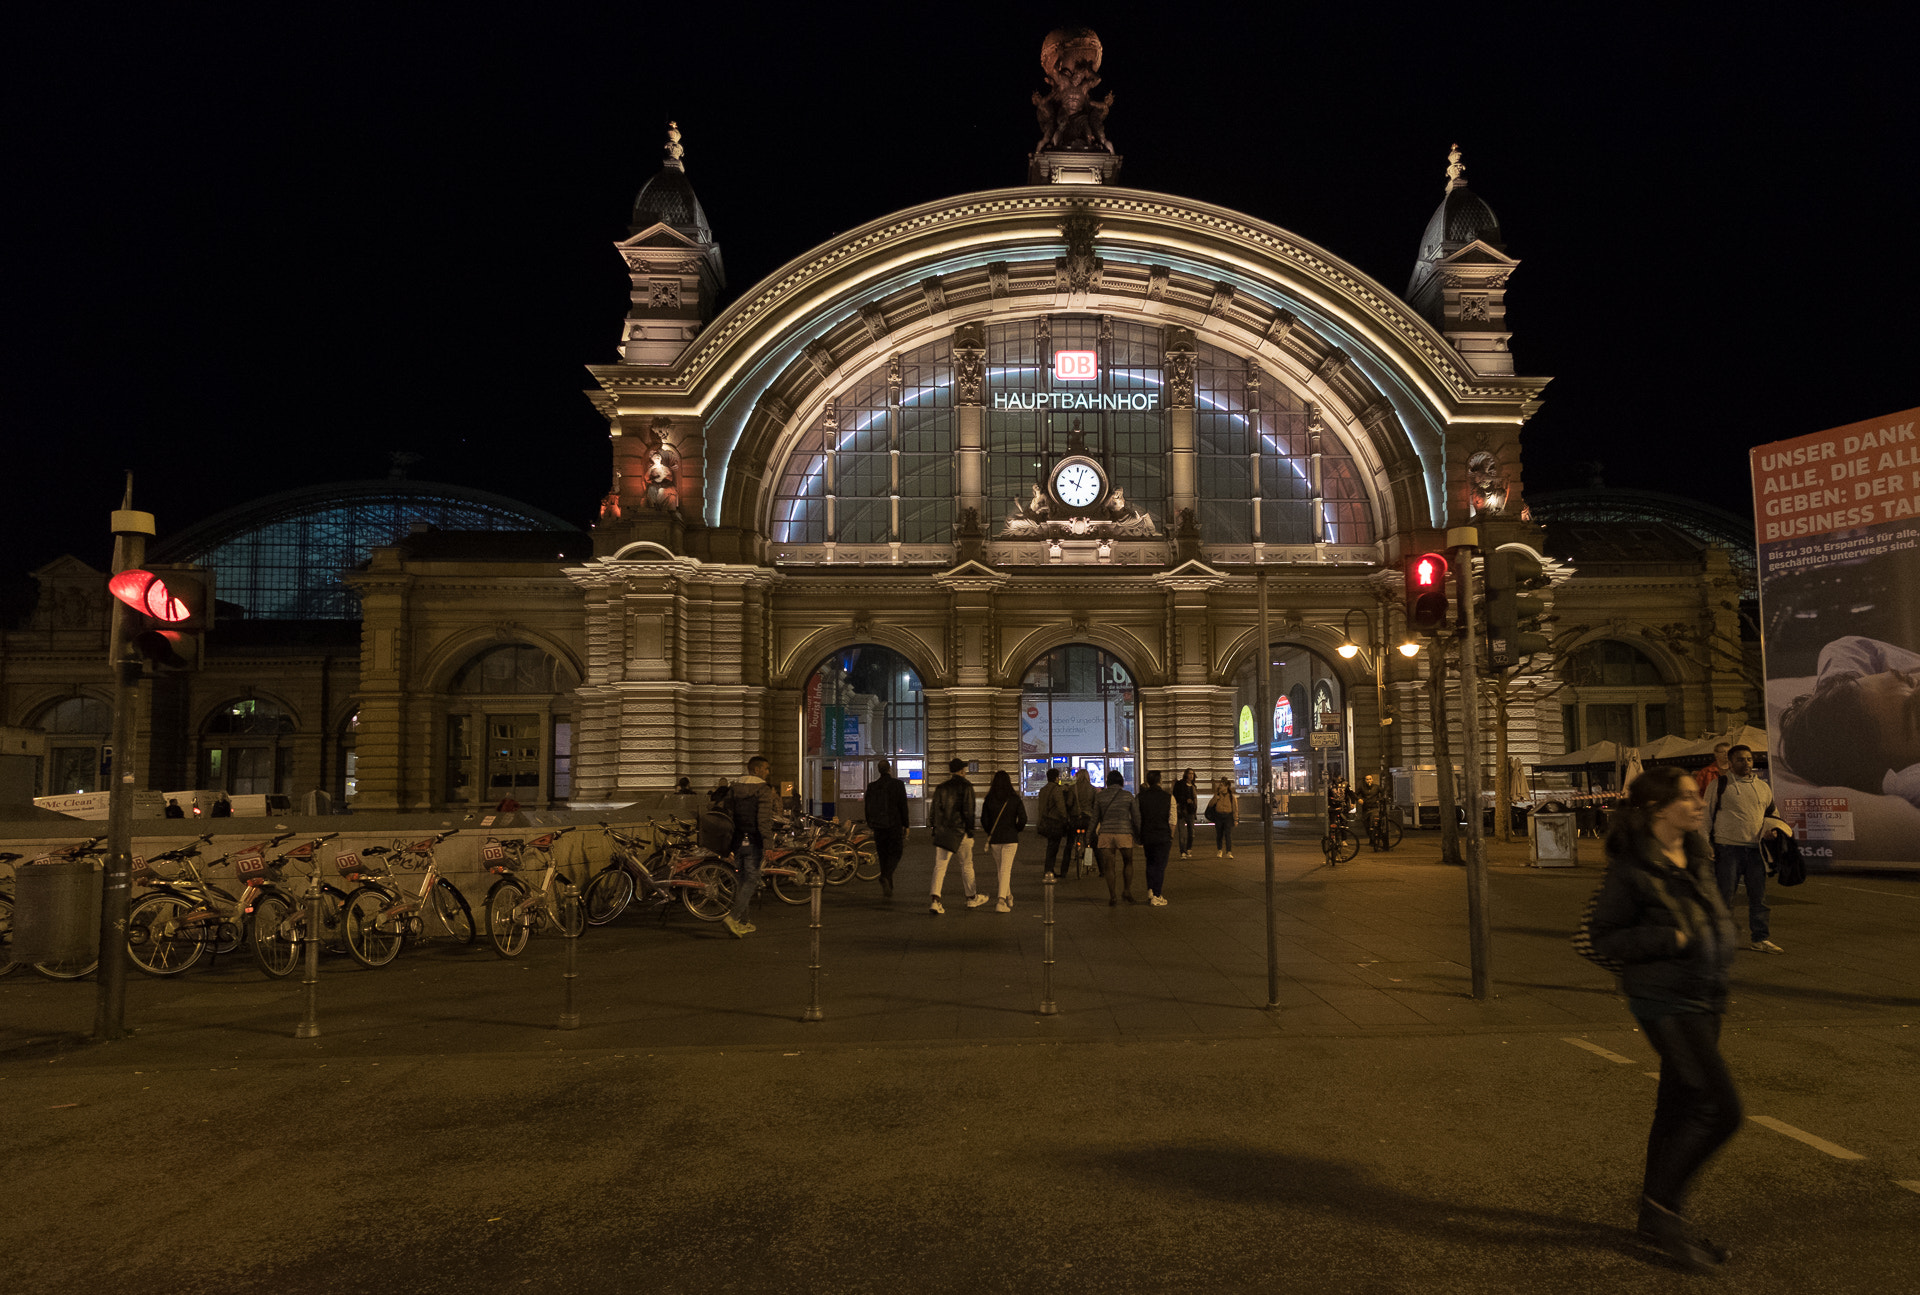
[1376,1130]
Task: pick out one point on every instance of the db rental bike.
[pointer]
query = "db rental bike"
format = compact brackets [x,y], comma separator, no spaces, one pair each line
[182,917]
[380,918]
[280,913]
[514,911]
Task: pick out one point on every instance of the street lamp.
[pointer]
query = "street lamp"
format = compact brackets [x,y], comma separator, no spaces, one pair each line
[1375,659]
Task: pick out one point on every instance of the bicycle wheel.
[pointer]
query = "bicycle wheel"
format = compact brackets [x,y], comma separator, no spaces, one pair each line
[373,936]
[7,965]
[229,933]
[842,865]
[608,895]
[279,932]
[569,907]
[454,913]
[1391,832]
[797,889]
[1345,847]
[157,942]
[333,902]
[866,862]
[712,897]
[507,927]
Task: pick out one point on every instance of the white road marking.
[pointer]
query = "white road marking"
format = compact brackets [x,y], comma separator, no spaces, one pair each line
[1801,1135]
[1863,890]
[1599,1051]
[1911,1184]
[1651,1074]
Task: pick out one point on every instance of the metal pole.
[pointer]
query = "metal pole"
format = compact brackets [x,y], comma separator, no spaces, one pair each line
[1380,648]
[570,928]
[1478,920]
[1047,1005]
[130,531]
[1263,733]
[309,1028]
[813,1012]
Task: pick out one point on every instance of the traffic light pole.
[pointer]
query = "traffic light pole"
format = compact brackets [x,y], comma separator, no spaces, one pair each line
[1264,729]
[130,531]
[1479,922]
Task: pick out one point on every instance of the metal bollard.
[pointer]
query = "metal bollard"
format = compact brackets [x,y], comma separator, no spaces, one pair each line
[813,1012]
[1047,1006]
[570,928]
[310,1027]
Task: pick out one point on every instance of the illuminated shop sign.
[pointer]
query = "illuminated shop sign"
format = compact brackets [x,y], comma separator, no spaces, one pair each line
[1076,366]
[1076,400]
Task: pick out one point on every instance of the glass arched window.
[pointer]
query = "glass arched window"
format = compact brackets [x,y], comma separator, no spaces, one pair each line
[1618,695]
[510,729]
[245,749]
[1077,711]
[890,433]
[78,729]
[1305,695]
[862,707]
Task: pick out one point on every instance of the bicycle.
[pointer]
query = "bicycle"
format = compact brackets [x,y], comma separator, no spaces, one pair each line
[1339,844]
[654,860]
[176,921]
[280,916]
[378,919]
[1384,829]
[514,911]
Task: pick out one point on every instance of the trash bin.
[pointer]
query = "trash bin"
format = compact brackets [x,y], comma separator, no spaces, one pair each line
[56,912]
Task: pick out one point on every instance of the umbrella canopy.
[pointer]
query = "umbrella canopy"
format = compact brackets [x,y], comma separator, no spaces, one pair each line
[1661,748]
[1607,753]
[1748,736]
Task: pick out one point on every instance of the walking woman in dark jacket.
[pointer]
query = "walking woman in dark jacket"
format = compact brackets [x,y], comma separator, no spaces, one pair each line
[1660,915]
[1003,814]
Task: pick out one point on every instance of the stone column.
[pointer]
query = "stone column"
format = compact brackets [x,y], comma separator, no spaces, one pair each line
[1181,356]
[969,380]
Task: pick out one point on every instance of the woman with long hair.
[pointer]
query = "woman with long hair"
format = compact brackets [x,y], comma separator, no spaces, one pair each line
[1660,915]
[1003,814]
[1116,827]
[1224,810]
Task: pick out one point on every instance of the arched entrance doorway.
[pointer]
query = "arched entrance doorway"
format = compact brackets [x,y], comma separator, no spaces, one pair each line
[1307,697]
[1078,710]
[862,707]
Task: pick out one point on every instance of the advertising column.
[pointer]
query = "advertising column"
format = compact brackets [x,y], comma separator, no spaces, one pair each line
[1837,517]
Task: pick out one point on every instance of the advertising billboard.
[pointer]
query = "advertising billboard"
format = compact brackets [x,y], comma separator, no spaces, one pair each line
[1837,518]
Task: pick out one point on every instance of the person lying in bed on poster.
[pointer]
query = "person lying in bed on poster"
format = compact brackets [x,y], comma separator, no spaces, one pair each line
[1860,726]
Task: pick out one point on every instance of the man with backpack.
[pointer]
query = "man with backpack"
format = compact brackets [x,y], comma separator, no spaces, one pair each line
[1739,803]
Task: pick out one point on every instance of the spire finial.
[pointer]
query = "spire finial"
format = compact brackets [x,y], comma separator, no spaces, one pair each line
[674,151]
[1456,170]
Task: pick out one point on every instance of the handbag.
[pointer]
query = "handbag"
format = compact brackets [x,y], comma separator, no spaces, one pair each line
[1583,936]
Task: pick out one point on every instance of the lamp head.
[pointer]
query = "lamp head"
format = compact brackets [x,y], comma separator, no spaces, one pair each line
[1411,648]
[1349,650]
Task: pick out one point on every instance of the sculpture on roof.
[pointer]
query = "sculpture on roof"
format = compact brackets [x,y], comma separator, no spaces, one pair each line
[1070,117]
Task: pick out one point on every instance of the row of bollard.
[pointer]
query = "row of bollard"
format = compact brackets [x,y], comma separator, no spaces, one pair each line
[309,1027]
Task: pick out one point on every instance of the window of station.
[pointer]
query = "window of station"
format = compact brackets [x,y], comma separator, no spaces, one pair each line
[863,707]
[509,729]
[1619,695]
[247,749]
[78,730]
[1078,710]
[1307,697]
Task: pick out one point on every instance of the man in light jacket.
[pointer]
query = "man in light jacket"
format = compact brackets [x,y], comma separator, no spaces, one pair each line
[1738,805]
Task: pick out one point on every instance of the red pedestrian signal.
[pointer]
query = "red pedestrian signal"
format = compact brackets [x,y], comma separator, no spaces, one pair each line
[174,610]
[1427,592]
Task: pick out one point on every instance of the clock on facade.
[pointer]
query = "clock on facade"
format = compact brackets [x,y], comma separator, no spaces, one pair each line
[1078,482]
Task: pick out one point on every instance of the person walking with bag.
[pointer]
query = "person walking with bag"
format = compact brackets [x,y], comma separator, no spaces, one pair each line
[1158,818]
[1739,809]
[1223,811]
[885,809]
[1055,824]
[1080,799]
[1658,915]
[1003,815]
[950,822]
[1118,825]
[1186,797]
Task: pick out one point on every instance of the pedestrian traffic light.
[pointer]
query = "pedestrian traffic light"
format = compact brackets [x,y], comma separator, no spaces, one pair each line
[172,611]
[1513,614]
[1427,592]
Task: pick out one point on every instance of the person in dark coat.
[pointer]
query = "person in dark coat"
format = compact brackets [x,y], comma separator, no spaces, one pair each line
[1659,913]
[885,810]
[950,821]
[1186,795]
[1056,823]
[174,810]
[1003,814]
[1157,820]
[752,800]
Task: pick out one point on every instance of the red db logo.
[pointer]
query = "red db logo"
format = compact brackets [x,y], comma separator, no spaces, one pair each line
[1076,366]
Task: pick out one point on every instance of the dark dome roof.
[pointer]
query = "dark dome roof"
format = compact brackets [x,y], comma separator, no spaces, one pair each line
[668,199]
[1461,217]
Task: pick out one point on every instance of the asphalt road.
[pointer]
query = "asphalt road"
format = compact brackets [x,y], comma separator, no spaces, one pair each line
[1379,1131]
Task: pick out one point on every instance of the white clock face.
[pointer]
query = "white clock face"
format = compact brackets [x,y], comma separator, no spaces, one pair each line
[1077,485]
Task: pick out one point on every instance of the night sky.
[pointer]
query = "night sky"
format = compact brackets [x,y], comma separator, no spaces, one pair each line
[259,247]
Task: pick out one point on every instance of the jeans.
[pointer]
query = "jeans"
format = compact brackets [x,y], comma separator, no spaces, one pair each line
[1003,859]
[1697,1109]
[1223,834]
[746,871]
[1186,833]
[1731,863]
[889,843]
[1061,848]
[1157,852]
[1112,860]
[941,858]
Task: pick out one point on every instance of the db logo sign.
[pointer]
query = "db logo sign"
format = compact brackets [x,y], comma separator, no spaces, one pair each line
[1076,366]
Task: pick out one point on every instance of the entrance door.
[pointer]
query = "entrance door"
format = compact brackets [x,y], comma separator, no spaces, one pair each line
[513,757]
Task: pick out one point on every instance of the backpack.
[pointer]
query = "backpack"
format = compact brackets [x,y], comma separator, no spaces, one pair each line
[1583,936]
